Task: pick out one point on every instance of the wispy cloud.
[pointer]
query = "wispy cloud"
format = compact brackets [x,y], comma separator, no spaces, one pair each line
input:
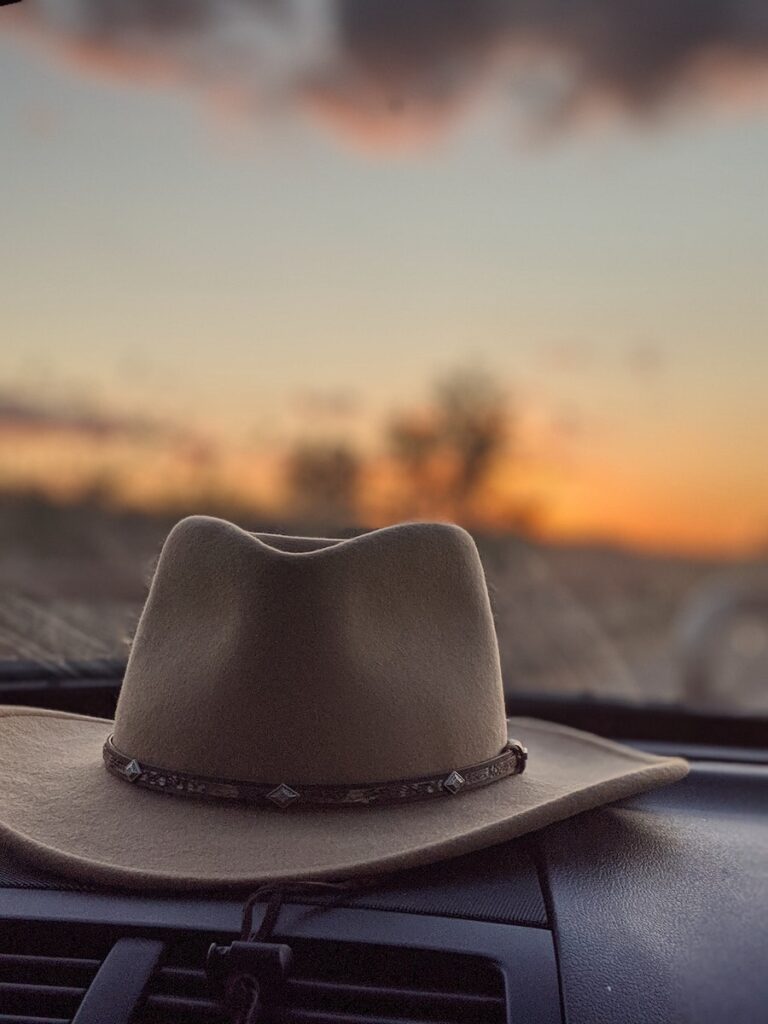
[20,415]
[383,69]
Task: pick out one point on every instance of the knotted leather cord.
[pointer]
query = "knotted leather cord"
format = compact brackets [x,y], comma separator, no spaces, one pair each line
[242,999]
[276,893]
[242,993]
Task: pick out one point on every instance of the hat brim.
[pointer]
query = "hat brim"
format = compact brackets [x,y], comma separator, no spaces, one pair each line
[60,809]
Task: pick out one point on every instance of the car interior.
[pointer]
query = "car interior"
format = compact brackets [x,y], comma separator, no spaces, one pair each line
[323,269]
[650,910]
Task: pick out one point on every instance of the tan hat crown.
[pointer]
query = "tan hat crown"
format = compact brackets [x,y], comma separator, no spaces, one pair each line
[314,661]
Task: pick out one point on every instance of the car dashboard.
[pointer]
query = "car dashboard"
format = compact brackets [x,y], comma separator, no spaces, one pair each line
[654,909]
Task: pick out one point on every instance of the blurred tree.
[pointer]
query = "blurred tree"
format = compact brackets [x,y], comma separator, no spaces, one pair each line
[414,441]
[475,422]
[322,482]
[448,453]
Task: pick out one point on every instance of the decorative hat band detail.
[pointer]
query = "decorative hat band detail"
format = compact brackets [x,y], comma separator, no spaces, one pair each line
[510,761]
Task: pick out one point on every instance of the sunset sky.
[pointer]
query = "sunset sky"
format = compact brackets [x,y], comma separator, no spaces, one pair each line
[242,276]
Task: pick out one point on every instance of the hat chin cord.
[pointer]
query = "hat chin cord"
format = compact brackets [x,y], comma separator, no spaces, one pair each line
[249,975]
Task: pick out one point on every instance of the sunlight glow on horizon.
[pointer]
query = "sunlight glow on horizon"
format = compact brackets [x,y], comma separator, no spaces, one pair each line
[583,503]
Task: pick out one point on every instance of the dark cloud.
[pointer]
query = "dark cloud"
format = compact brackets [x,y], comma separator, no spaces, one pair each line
[381,65]
[568,54]
[27,415]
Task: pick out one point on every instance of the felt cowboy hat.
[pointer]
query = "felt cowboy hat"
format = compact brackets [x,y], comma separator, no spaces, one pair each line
[301,708]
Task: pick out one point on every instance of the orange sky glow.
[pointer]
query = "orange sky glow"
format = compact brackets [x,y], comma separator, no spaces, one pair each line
[591,503]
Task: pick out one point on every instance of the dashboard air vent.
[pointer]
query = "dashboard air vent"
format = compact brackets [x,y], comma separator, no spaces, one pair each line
[343,983]
[45,970]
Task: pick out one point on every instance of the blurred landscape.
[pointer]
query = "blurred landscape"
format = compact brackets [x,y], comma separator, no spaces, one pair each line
[572,619]
[323,267]
[581,618]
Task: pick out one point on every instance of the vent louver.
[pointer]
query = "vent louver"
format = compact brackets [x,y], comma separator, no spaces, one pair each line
[343,983]
[45,971]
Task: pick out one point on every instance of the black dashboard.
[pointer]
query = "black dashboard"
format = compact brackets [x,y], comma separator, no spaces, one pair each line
[651,910]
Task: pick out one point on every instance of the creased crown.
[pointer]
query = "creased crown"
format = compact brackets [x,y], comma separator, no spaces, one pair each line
[314,661]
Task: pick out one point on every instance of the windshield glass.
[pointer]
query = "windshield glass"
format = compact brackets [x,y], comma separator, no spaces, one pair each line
[320,267]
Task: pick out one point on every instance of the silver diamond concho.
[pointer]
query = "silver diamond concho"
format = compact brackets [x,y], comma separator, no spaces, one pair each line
[282,795]
[454,782]
[132,771]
